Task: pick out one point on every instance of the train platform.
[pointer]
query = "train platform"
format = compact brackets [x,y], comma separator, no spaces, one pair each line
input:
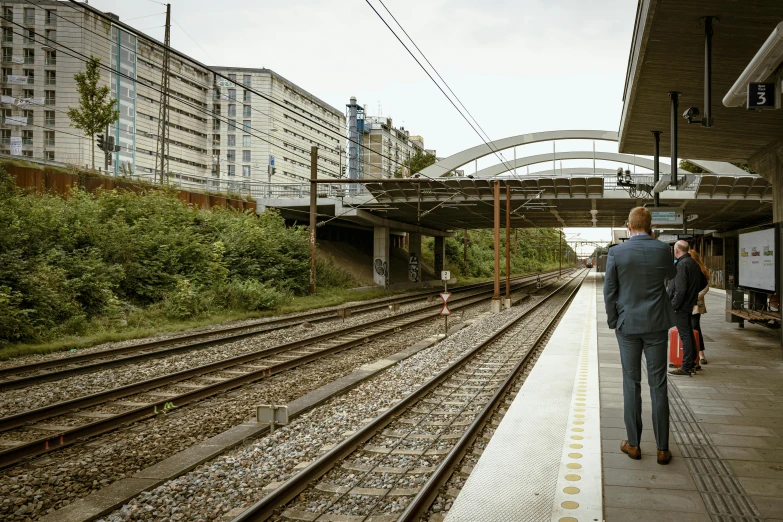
[556,454]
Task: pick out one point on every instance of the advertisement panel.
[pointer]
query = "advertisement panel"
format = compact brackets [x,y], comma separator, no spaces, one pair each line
[757,260]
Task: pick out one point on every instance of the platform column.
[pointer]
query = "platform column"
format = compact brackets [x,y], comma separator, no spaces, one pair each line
[439,256]
[380,250]
[414,257]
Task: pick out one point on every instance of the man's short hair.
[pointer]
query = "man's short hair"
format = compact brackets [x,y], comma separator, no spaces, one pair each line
[682,246]
[640,219]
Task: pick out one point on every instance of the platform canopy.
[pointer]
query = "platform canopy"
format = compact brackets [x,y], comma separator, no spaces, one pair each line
[667,54]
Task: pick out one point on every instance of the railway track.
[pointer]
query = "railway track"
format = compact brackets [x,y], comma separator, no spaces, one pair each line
[15,377]
[393,468]
[71,421]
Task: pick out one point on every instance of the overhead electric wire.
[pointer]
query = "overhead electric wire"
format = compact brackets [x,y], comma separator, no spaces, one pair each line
[431,78]
[442,80]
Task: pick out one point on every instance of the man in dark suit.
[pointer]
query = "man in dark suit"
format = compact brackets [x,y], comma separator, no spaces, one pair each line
[638,309]
[684,293]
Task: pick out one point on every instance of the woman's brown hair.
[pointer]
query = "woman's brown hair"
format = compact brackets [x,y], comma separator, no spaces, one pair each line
[697,258]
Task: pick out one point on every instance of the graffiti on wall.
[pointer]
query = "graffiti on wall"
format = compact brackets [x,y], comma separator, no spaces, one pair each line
[382,269]
[413,268]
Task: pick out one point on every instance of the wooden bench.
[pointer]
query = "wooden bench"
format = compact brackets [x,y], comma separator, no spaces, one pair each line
[753,315]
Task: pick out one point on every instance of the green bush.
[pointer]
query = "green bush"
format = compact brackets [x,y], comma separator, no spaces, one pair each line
[68,264]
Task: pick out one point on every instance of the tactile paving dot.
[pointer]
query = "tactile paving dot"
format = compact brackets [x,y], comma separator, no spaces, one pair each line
[571,490]
[573,465]
[575,446]
[573,478]
[570,504]
[568,519]
[575,455]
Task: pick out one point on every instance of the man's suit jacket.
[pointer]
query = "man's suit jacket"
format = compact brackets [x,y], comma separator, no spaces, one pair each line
[634,292]
[684,288]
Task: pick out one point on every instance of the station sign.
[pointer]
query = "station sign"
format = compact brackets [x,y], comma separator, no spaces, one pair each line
[663,216]
[761,95]
[445,275]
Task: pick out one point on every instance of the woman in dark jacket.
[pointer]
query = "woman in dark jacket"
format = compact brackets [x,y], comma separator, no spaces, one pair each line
[700,307]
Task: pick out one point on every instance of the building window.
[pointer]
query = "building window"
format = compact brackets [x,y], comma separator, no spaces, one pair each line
[232,140]
[246,111]
[27,153]
[232,170]
[7,71]
[49,138]
[51,16]
[8,35]
[232,110]
[29,36]
[246,97]
[216,140]
[246,125]
[49,118]
[245,156]
[215,125]
[49,98]
[49,155]
[6,136]
[27,137]
[232,125]
[231,155]
[51,57]
[216,109]
[6,114]
[248,80]
[29,93]
[8,53]
[246,171]
[8,13]
[232,77]
[245,141]
[29,56]
[51,35]
[7,91]
[232,94]
[29,115]
[30,75]
[51,78]
[29,16]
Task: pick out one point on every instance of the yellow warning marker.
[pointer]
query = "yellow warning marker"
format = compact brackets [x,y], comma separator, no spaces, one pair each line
[576,437]
[574,455]
[575,446]
[571,490]
[573,465]
[570,504]
[573,478]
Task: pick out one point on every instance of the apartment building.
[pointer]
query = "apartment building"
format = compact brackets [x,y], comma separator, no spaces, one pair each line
[217,129]
[251,132]
[387,147]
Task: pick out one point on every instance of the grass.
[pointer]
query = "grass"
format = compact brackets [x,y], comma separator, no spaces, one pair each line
[158,325]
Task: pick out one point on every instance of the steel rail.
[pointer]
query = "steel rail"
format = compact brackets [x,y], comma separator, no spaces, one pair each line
[30,380]
[424,499]
[291,488]
[44,445]
[260,328]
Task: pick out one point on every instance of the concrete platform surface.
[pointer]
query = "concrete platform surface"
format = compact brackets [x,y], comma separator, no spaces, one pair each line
[544,461]
[726,430]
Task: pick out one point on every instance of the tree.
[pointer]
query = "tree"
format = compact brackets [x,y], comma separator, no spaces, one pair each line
[96,109]
[418,162]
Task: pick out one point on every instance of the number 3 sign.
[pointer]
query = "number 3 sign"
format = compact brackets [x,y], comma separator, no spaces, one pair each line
[761,96]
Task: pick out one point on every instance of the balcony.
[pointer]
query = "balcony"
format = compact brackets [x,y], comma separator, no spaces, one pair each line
[5,141]
[29,20]
[49,142]
[51,60]
[50,101]
[50,81]
[27,141]
[30,80]
[8,38]
[49,121]
[51,19]
[7,17]
[29,59]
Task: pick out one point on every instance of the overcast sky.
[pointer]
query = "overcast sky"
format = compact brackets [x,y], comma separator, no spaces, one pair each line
[518,65]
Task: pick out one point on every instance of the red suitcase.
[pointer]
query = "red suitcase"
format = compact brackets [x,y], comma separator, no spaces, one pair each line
[675,347]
